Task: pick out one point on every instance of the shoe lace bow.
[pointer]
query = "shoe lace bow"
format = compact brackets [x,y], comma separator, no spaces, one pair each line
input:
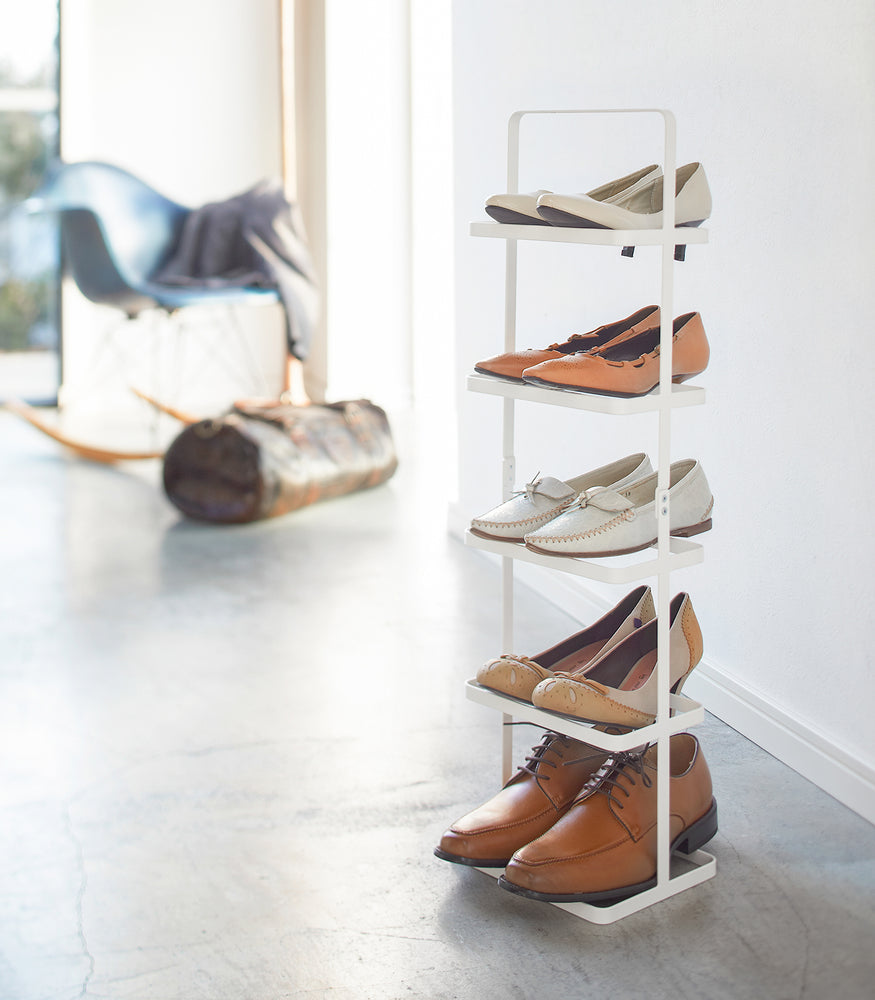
[602,498]
[519,659]
[547,487]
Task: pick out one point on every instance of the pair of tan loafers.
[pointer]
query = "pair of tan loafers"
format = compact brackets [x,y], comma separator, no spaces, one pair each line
[606,673]
[617,359]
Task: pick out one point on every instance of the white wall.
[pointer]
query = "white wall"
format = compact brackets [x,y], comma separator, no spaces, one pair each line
[431,223]
[368,181]
[185,94]
[389,205]
[777,101]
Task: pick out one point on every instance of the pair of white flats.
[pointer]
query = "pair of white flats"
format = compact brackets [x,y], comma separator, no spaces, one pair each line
[631,202]
[606,512]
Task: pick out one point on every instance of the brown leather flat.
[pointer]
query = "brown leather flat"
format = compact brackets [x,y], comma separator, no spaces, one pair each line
[629,364]
[511,366]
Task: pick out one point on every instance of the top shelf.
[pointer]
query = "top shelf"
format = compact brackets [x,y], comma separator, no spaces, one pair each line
[592,237]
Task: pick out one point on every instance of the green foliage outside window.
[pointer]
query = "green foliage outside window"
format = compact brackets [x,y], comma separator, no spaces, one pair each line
[24,306]
[27,297]
[23,155]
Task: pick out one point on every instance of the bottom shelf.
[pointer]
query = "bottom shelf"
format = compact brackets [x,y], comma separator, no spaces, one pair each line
[686,872]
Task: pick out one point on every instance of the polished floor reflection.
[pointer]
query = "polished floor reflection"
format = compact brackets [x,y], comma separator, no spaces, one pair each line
[227,754]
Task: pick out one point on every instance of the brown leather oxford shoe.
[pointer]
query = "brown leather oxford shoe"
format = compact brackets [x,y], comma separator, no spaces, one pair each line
[603,849]
[528,805]
[629,365]
[511,366]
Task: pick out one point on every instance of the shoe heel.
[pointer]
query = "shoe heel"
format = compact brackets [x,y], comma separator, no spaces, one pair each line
[677,379]
[694,529]
[678,684]
[699,833]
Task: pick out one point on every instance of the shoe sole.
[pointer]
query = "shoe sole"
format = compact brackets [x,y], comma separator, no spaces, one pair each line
[556,217]
[457,859]
[695,836]
[495,538]
[688,532]
[510,218]
[504,378]
[534,380]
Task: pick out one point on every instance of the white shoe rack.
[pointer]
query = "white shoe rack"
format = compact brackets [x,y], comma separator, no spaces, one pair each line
[674,713]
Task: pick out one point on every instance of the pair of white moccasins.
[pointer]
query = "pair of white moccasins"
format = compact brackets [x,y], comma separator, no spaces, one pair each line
[606,512]
[631,202]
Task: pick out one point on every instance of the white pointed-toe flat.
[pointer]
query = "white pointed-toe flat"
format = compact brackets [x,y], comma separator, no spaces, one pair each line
[547,497]
[640,208]
[522,209]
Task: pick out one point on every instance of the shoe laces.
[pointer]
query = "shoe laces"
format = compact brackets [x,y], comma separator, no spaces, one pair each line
[551,742]
[573,337]
[626,765]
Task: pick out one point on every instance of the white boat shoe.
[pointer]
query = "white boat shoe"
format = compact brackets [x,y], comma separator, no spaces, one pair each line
[522,209]
[547,497]
[612,521]
[638,208]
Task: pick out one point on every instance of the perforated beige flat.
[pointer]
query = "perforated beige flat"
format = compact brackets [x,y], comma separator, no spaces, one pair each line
[620,686]
[519,675]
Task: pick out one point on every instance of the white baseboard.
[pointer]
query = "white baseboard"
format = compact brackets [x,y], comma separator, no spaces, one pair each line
[794,742]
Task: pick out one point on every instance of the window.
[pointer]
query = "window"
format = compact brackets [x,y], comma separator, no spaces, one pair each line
[29,244]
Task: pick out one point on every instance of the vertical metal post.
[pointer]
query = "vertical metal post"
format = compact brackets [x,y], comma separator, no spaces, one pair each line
[508,468]
[663,511]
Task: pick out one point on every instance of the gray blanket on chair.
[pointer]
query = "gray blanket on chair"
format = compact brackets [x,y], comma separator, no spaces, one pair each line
[254,239]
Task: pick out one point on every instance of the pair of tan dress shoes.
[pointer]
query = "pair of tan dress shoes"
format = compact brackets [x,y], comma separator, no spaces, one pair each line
[605,673]
[617,359]
[577,825]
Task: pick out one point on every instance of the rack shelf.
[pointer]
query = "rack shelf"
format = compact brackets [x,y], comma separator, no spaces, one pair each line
[611,569]
[682,235]
[681,395]
[686,871]
[685,713]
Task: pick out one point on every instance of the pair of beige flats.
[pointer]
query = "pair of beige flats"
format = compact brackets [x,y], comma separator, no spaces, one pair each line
[605,673]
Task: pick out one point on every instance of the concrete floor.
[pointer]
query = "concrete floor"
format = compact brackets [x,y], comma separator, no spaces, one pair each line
[228,753]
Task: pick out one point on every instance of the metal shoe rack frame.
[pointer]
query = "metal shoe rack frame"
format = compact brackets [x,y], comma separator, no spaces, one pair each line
[675,713]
